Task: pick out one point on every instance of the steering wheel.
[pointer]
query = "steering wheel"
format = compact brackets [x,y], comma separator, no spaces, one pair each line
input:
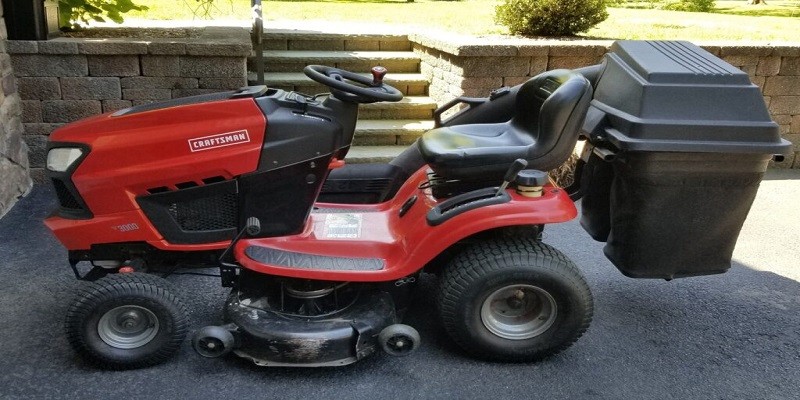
[352,87]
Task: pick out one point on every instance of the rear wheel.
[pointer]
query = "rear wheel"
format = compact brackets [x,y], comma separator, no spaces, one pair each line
[126,321]
[514,300]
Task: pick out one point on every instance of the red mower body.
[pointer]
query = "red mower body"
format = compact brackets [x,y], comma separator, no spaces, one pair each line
[136,154]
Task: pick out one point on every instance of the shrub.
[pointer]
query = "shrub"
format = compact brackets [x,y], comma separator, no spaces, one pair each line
[691,5]
[74,13]
[550,17]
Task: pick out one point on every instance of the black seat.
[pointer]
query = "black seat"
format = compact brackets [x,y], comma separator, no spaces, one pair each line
[550,109]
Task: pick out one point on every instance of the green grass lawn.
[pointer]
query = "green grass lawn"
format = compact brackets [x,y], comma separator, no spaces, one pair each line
[778,21]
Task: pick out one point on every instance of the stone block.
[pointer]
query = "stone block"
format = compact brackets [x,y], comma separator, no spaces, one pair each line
[90,88]
[362,45]
[539,65]
[479,82]
[416,90]
[745,50]
[113,65]
[22,47]
[112,46]
[740,61]
[69,110]
[37,150]
[161,66]
[176,93]
[162,82]
[58,47]
[166,48]
[493,66]
[576,49]
[784,105]
[768,66]
[796,124]
[319,45]
[227,49]
[395,45]
[782,119]
[146,94]
[114,105]
[46,88]
[49,65]
[782,86]
[790,66]
[31,111]
[213,67]
[785,50]
[275,44]
[40,129]
[222,83]
[570,62]
[9,85]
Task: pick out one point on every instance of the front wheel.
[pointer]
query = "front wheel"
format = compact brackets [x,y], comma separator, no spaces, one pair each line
[126,321]
[514,300]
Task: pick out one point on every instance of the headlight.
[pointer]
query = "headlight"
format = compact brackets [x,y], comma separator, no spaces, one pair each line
[61,158]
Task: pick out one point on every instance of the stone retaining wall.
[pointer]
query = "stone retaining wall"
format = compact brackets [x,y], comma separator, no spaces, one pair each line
[467,66]
[66,79]
[14,178]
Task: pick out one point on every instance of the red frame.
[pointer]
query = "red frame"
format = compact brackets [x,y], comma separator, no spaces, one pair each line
[405,243]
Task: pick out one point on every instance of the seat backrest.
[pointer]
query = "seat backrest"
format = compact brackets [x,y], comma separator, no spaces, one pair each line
[551,108]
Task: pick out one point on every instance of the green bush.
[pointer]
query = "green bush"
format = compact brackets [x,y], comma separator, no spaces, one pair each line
[74,13]
[550,17]
[691,5]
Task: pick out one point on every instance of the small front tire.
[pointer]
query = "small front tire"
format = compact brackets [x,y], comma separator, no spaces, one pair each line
[514,300]
[126,321]
[399,340]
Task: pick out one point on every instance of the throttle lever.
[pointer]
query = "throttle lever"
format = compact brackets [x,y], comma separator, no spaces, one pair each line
[518,165]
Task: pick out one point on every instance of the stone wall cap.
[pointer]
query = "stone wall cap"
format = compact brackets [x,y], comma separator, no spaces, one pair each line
[22,47]
[498,45]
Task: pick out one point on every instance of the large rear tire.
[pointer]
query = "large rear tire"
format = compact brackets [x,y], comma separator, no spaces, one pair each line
[126,321]
[514,300]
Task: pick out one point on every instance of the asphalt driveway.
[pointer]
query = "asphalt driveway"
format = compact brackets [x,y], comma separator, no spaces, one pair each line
[735,335]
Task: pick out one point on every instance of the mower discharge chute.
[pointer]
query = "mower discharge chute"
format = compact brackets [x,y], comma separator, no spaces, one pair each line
[323,258]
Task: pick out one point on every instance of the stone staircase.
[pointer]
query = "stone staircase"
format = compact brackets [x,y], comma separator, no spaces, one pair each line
[384,129]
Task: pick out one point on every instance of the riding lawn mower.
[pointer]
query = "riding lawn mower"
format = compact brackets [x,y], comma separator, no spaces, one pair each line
[323,257]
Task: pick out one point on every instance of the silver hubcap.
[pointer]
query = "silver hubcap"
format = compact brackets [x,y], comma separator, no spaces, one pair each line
[518,312]
[128,327]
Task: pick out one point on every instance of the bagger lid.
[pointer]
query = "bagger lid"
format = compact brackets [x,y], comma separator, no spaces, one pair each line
[675,96]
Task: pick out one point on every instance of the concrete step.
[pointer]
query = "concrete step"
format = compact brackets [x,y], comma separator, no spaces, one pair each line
[373,154]
[411,107]
[388,132]
[291,39]
[409,84]
[295,60]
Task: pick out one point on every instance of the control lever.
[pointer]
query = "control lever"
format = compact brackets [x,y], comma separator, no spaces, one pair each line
[518,165]
[378,73]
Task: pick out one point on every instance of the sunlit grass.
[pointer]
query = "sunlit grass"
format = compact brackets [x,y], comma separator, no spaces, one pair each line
[476,17]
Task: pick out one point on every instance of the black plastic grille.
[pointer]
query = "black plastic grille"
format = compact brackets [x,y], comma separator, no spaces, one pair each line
[65,197]
[206,214]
